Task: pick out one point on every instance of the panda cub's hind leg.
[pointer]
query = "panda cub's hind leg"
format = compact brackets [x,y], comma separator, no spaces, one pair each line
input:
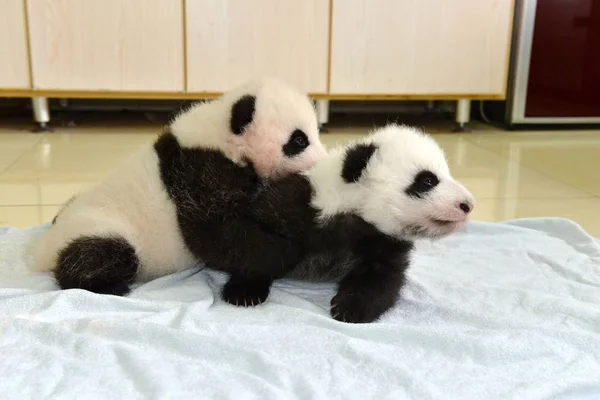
[105,265]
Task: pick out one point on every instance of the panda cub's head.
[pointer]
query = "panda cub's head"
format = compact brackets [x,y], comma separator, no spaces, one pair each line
[266,123]
[397,179]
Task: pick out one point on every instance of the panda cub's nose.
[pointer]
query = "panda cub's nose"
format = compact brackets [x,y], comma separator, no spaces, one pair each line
[465,207]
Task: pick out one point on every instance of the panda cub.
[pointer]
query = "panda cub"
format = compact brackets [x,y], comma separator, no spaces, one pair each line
[177,202]
[353,218]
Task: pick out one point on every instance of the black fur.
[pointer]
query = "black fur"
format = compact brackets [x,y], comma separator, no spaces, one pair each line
[246,292]
[369,265]
[106,265]
[356,161]
[212,196]
[297,143]
[262,232]
[424,182]
[242,114]
[373,285]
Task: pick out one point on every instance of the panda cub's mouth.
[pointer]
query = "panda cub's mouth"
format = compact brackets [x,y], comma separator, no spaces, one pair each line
[442,222]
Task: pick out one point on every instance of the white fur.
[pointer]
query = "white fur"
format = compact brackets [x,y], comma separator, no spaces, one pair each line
[132,202]
[379,195]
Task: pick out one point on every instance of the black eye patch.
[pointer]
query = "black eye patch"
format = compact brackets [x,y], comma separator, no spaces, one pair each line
[297,143]
[424,182]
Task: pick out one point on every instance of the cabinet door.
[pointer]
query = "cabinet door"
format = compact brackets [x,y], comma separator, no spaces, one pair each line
[420,47]
[120,45]
[14,68]
[231,41]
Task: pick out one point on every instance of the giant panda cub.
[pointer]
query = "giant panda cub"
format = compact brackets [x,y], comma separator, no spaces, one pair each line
[159,211]
[353,218]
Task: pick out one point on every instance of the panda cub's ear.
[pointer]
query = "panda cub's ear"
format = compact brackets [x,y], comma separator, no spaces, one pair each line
[242,114]
[356,160]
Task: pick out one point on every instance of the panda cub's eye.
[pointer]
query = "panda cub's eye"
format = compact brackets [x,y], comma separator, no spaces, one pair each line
[422,183]
[301,141]
[428,181]
[296,144]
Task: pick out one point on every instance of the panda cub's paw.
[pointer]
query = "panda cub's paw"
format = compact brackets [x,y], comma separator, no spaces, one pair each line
[246,292]
[355,308]
[345,307]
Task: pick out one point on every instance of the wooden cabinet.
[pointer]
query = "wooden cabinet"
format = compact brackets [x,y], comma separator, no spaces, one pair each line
[14,68]
[231,41]
[340,49]
[420,47]
[107,45]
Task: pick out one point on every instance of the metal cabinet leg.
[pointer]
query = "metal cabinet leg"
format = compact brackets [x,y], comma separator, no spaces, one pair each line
[463,115]
[322,114]
[41,114]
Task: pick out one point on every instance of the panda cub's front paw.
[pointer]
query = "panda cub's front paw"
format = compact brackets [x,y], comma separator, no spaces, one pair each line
[244,292]
[353,307]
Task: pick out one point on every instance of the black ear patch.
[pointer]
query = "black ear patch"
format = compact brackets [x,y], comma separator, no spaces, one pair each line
[242,113]
[423,182]
[356,160]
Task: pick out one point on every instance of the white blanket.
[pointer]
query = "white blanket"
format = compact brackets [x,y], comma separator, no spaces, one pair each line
[501,311]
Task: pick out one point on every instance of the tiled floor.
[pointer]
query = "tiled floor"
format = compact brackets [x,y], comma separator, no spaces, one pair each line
[511,174]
